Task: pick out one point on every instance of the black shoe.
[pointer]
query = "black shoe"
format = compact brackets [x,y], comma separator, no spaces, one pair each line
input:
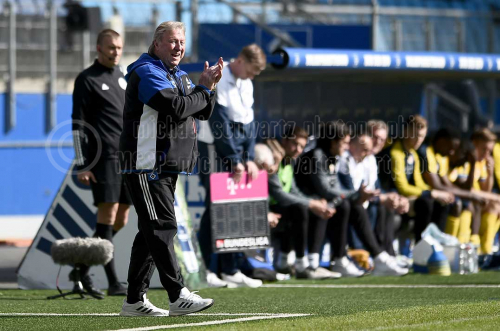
[87,284]
[117,289]
[285,270]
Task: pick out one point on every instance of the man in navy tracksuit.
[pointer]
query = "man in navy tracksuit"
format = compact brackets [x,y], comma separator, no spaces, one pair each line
[157,143]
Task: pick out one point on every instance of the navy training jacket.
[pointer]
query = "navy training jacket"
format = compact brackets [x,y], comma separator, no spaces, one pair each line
[159,130]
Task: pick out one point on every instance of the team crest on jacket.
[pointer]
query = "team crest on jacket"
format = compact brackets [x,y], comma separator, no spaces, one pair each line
[122,82]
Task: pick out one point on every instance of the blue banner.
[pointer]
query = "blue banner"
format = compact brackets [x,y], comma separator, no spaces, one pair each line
[227,40]
[422,61]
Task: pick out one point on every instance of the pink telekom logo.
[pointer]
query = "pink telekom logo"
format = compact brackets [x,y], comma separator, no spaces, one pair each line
[223,187]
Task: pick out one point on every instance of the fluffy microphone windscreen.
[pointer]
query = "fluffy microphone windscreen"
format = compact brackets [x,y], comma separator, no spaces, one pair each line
[88,251]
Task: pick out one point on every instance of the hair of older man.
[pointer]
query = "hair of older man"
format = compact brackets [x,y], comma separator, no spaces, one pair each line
[162,29]
[263,154]
[254,55]
[106,33]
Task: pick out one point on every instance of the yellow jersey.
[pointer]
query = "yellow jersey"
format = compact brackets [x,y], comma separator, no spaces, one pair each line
[462,172]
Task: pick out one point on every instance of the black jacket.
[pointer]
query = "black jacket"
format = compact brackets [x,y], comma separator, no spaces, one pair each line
[98,101]
[317,176]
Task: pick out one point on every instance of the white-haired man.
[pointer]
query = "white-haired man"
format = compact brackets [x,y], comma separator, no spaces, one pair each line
[157,143]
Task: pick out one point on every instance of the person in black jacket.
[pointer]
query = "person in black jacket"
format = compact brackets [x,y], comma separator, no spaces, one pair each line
[158,142]
[287,200]
[98,101]
[318,177]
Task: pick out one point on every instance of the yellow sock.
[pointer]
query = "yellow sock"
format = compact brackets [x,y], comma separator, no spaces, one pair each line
[452,225]
[464,229]
[487,232]
[474,239]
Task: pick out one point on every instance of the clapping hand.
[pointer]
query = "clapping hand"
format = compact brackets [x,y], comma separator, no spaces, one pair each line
[211,75]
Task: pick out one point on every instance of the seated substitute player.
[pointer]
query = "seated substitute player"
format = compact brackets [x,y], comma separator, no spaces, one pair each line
[435,165]
[317,176]
[379,132]
[98,101]
[358,166]
[477,173]
[400,170]
[287,200]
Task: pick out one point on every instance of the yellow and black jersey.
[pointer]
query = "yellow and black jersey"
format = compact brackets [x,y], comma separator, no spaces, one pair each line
[401,170]
[433,162]
[496,159]
[462,172]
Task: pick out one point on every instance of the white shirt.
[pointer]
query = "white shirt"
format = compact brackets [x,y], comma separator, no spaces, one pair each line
[363,172]
[236,95]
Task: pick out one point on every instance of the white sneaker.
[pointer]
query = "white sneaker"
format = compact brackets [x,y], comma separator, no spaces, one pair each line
[214,281]
[189,302]
[386,265]
[346,268]
[318,273]
[327,273]
[142,308]
[240,280]
[404,261]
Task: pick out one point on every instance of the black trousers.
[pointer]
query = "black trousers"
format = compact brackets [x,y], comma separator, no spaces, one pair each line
[336,230]
[292,228]
[384,228]
[153,246]
[428,210]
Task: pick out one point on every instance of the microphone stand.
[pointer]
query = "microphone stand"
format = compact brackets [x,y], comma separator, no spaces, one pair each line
[77,288]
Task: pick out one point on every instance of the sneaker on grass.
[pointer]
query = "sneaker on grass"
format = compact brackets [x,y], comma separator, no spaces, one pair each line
[346,268]
[142,308]
[214,281]
[386,265]
[318,273]
[188,303]
[240,280]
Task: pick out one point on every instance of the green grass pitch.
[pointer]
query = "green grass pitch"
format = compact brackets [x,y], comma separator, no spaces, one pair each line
[368,303]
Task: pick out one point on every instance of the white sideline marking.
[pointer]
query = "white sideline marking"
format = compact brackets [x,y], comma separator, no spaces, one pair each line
[458,320]
[54,314]
[116,314]
[375,286]
[244,319]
